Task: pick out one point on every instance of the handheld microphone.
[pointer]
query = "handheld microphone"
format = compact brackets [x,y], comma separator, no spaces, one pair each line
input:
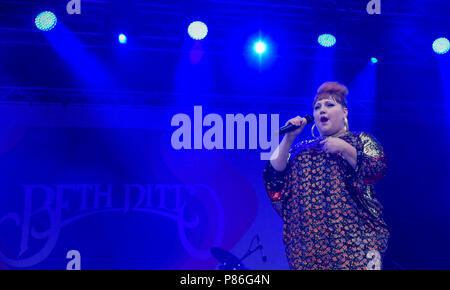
[289,127]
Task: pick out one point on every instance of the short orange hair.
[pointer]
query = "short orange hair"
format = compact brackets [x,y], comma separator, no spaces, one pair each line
[333,90]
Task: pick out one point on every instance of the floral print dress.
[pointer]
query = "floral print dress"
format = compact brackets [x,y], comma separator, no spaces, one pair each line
[332,218]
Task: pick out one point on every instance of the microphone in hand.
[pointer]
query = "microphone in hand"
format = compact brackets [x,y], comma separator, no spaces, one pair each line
[290,127]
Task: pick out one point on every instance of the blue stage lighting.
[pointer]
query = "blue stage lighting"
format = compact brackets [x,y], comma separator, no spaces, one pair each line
[122,38]
[327,40]
[45,21]
[441,45]
[197,30]
[374,60]
[260,47]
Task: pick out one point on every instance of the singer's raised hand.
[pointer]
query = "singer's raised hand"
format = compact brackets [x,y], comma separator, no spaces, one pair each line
[297,121]
[279,159]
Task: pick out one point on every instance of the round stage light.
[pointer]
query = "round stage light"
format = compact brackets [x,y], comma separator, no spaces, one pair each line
[45,21]
[326,40]
[374,60]
[441,45]
[197,30]
[122,38]
[260,47]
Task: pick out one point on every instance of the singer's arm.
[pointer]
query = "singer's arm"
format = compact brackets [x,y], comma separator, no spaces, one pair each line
[371,161]
[277,170]
[281,154]
[276,179]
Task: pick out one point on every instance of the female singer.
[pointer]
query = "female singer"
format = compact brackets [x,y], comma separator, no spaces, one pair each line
[324,190]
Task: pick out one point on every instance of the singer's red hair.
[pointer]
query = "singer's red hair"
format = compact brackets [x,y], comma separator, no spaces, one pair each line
[333,90]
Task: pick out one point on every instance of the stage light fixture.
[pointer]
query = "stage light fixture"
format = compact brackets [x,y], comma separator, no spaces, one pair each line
[260,47]
[45,21]
[326,40]
[122,38]
[441,45]
[197,30]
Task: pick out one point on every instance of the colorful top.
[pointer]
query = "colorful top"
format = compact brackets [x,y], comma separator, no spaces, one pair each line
[332,218]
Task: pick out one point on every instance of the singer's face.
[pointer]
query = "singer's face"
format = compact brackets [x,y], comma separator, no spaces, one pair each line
[329,117]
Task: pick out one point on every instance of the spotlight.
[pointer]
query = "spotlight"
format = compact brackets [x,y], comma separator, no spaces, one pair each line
[326,40]
[122,38]
[260,47]
[441,45]
[197,30]
[45,21]
[374,60]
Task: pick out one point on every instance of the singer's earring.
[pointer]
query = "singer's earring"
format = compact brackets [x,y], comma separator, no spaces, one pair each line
[312,130]
[346,124]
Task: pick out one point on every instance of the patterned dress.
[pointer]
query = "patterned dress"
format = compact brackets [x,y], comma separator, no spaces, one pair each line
[332,219]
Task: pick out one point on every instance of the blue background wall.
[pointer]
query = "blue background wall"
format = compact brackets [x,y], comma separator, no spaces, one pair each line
[86,161]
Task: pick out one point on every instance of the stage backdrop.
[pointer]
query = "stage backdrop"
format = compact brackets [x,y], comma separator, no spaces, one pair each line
[101,187]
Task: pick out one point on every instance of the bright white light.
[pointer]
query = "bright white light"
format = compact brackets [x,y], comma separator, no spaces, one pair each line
[326,40]
[441,45]
[46,21]
[122,38]
[260,47]
[197,30]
